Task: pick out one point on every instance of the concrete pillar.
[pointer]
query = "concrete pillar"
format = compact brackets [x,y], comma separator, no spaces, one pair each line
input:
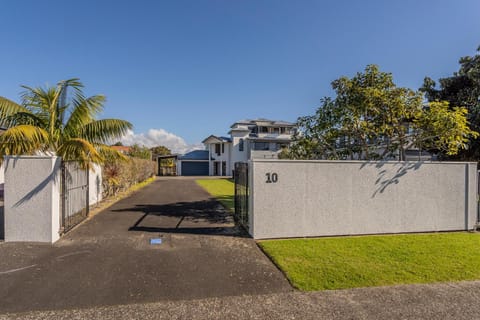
[32,198]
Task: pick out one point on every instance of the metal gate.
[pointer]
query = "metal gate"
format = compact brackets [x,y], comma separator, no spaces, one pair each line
[241,193]
[74,195]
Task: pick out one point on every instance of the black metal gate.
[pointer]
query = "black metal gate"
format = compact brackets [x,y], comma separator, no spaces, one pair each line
[241,193]
[74,195]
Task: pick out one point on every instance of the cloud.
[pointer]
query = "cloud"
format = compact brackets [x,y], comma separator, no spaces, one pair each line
[160,137]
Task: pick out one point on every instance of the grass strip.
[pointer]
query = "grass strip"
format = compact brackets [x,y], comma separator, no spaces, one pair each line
[364,261]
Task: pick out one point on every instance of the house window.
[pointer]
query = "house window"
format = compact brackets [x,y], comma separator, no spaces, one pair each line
[276,130]
[217,148]
[223,147]
[240,145]
[263,129]
[261,146]
[282,130]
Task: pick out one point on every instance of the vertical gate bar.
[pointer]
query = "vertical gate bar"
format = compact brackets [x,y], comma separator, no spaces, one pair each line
[235,180]
[62,188]
[87,172]
[478,199]
[247,192]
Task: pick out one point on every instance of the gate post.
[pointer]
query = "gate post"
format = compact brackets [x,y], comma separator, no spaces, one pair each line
[241,194]
[32,198]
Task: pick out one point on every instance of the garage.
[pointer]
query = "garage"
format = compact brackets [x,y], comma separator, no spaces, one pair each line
[194,163]
[194,168]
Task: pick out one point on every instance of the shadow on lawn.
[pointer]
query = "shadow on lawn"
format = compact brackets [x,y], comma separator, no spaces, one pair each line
[227,201]
[205,217]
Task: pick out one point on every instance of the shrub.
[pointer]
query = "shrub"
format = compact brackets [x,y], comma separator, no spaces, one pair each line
[120,175]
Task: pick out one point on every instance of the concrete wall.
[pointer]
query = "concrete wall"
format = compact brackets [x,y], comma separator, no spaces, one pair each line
[2,179]
[32,198]
[322,198]
[95,184]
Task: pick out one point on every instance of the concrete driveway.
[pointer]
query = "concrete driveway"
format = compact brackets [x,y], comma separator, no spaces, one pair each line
[109,259]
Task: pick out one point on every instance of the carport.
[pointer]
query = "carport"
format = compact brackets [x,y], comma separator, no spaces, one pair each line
[166,164]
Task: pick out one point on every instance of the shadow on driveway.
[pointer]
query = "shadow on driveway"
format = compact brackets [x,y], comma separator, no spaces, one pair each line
[205,217]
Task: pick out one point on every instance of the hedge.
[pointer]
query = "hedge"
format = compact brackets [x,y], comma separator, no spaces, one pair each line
[120,175]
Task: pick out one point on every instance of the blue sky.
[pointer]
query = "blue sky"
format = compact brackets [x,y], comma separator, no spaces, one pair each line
[182,70]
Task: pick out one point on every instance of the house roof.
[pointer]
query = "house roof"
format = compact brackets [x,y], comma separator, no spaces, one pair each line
[123,149]
[215,139]
[195,155]
[264,122]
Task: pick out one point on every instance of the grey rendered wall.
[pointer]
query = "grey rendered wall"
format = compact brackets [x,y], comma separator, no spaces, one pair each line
[32,204]
[322,198]
[95,184]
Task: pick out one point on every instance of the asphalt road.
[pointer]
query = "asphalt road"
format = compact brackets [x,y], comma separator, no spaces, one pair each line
[457,301]
[109,260]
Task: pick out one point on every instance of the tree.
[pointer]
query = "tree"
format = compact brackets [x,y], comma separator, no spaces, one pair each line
[160,150]
[372,118]
[163,151]
[443,129]
[52,121]
[137,151]
[462,89]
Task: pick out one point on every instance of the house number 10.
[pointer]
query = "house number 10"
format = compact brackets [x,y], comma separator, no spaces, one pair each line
[272,177]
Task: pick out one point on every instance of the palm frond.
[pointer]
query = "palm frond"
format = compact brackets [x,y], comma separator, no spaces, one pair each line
[63,102]
[62,120]
[83,112]
[20,118]
[8,108]
[23,139]
[105,130]
[80,150]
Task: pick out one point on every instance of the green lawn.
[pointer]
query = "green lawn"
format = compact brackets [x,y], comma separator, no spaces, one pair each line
[222,189]
[348,262]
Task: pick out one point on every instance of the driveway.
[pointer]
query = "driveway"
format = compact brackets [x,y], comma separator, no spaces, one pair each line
[109,260]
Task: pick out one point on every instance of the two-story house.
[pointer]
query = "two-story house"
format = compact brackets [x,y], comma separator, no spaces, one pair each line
[249,139]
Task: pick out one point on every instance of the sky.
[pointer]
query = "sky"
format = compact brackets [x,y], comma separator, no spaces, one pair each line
[182,70]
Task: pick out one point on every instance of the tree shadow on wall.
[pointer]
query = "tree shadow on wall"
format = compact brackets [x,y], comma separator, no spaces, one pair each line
[206,217]
[386,177]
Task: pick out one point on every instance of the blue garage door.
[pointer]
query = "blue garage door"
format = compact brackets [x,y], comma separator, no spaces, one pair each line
[194,168]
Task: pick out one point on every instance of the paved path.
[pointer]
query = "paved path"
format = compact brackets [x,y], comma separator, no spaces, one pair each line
[458,301]
[109,261]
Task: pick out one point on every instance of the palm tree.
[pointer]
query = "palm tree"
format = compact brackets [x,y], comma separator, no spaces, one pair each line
[49,121]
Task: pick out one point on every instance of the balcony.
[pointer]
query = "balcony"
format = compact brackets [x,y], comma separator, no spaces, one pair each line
[264,154]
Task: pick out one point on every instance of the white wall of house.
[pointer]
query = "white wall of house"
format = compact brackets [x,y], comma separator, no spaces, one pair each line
[224,156]
[273,133]
[325,198]
[237,155]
